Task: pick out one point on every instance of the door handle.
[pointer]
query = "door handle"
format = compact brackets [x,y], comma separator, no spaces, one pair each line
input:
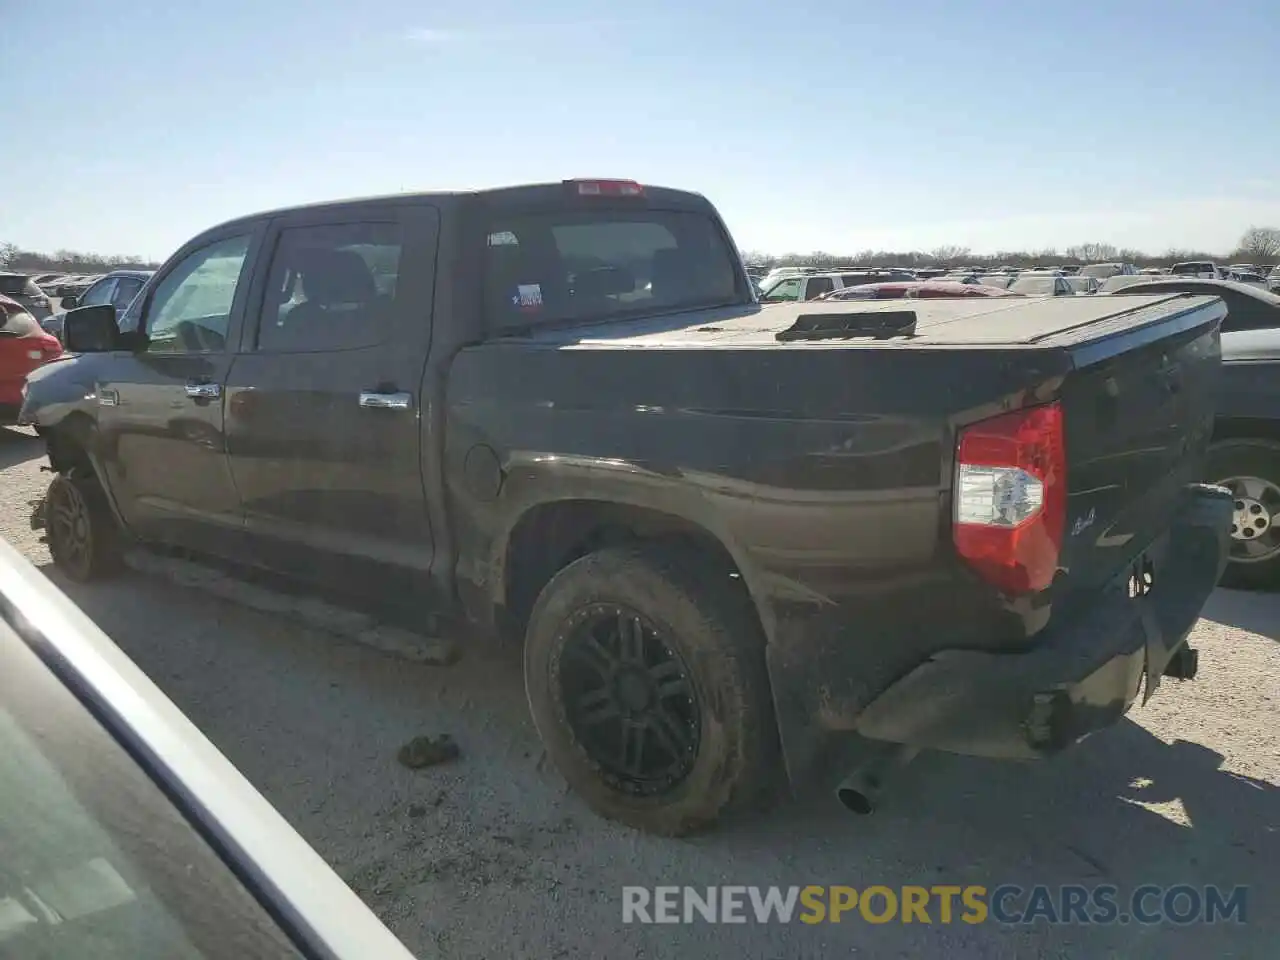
[385,401]
[204,391]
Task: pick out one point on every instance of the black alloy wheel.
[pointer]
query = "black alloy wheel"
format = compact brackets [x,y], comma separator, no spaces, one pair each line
[629,699]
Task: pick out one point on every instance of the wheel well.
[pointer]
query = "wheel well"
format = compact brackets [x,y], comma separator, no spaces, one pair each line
[1246,428]
[550,537]
[68,444]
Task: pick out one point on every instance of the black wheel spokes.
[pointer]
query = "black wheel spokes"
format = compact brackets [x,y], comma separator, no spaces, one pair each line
[597,707]
[67,515]
[630,701]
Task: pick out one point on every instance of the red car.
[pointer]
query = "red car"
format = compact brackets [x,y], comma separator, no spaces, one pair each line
[918,290]
[23,347]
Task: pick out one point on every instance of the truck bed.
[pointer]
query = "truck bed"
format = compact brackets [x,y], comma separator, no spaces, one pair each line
[1005,322]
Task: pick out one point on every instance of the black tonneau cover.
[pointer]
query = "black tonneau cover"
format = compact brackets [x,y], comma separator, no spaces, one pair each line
[999,321]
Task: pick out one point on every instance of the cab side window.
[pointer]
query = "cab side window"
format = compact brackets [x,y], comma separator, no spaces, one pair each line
[789,289]
[331,287]
[126,289]
[818,286]
[191,308]
[99,293]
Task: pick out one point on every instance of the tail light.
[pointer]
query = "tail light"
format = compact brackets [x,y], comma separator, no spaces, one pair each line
[1011,498]
[607,188]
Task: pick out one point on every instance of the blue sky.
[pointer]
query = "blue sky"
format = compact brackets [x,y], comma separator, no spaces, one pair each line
[817,124]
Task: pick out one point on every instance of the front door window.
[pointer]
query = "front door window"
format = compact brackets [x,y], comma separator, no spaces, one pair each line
[191,309]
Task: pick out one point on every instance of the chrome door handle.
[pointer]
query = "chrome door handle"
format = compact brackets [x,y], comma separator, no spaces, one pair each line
[204,391]
[385,401]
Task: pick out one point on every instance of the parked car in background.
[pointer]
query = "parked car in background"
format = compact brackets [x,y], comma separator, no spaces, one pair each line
[961,276]
[1245,276]
[1121,281]
[1083,284]
[1152,271]
[1273,279]
[815,285]
[1103,271]
[126,833]
[917,290]
[20,287]
[1243,268]
[1001,280]
[75,285]
[1204,269]
[1070,269]
[1245,454]
[1041,285]
[23,348]
[117,288]
[1248,307]
[49,279]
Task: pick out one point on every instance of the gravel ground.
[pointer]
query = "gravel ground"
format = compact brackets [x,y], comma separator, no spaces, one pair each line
[492,857]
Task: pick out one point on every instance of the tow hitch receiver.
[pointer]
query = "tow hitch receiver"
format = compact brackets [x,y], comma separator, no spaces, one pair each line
[1183,664]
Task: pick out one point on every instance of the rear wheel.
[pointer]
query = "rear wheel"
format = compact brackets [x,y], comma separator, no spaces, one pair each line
[83,535]
[1250,469]
[645,674]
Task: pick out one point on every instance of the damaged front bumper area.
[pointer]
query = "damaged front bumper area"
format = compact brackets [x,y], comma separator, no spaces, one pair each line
[1078,677]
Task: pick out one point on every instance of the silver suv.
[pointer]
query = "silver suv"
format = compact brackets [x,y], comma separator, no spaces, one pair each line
[811,286]
[20,287]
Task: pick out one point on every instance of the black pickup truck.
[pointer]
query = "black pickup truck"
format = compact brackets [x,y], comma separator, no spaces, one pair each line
[727,536]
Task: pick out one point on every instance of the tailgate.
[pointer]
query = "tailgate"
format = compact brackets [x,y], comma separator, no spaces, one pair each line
[1139,410]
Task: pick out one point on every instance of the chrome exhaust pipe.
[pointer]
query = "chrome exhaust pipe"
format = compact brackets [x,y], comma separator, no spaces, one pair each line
[860,791]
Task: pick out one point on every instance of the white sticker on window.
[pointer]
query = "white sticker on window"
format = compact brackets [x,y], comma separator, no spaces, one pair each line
[528,296]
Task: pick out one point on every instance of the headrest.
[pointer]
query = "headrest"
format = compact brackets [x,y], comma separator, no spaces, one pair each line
[335,276]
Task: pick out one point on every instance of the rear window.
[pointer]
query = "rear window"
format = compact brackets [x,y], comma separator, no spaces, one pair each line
[572,266]
[13,283]
[1190,269]
[17,323]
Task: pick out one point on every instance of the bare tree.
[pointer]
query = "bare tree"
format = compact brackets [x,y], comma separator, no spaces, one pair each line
[1092,252]
[8,252]
[948,254]
[1260,245]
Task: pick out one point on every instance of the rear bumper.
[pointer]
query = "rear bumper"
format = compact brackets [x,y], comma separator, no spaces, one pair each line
[1077,678]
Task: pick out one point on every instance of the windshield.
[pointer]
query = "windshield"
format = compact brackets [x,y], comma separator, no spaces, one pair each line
[547,268]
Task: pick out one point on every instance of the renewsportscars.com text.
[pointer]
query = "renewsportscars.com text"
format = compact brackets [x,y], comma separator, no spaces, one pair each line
[1007,904]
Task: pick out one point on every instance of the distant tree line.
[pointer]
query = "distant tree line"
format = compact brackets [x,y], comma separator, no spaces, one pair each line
[1258,245]
[13,257]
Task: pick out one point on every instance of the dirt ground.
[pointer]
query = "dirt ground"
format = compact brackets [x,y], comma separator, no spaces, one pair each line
[491,856]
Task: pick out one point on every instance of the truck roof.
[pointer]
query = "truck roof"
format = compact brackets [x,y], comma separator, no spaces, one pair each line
[1003,321]
[531,194]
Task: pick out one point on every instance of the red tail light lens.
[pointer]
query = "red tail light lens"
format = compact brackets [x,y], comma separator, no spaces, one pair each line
[1011,498]
[607,188]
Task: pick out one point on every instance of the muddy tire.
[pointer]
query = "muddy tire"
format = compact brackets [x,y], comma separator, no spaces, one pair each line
[84,538]
[1251,470]
[645,673]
